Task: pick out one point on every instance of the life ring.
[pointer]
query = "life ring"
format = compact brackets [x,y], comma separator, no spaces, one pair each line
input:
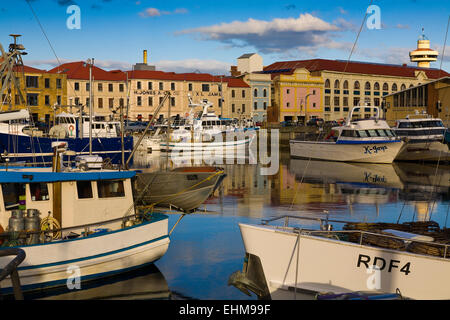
[71,127]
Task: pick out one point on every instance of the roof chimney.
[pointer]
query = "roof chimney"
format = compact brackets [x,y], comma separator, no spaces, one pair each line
[145,56]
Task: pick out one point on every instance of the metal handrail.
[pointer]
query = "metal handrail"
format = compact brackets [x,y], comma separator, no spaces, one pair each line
[362,232]
[25,233]
[11,269]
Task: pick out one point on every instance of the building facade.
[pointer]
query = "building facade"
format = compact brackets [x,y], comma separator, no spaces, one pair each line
[348,84]
[432,98]
[43,92]
[296,97]
[109,88]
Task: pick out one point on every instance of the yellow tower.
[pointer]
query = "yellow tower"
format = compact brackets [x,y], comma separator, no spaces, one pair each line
[423,55]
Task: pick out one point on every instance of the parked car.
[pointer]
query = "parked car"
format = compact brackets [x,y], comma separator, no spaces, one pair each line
[332,123]
[315,122]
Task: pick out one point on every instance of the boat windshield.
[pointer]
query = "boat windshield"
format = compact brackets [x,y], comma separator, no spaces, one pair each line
[421,124]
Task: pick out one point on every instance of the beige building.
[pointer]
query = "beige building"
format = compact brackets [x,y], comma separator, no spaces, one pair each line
[109,88]
[357,83]
[432,97]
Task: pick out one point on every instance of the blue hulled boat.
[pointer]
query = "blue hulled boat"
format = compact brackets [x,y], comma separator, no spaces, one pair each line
[20,142]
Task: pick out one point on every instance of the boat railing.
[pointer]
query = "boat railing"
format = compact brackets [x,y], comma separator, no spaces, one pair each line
[11,269]
[58,233]
[363,237]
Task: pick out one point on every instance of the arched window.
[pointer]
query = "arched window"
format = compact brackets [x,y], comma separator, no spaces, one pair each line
[367,86]
[345,84]
[411,85]
[255,93]
[376,86]
[356,85]
[327,83]
[403,87]
[336,84]
[385,87]
[394,87]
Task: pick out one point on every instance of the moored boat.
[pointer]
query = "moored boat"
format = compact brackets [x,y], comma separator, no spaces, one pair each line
[365,140]
[285,262]
[89,225]
[424,136]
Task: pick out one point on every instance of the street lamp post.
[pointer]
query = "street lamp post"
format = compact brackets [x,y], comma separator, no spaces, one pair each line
[90,63]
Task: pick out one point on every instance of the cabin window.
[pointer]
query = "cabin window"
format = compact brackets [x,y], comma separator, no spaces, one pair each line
[39,191]
[348,133]
[110,189]
[11,194]
[362,133]
[381,133]
[372,133]
[84,189]
[389,133]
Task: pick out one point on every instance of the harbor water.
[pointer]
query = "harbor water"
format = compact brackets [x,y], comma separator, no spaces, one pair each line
[206,246]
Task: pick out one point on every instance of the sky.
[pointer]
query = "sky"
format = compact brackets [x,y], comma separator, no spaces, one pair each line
[209,36]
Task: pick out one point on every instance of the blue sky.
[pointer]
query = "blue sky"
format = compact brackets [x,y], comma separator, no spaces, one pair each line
[208,36]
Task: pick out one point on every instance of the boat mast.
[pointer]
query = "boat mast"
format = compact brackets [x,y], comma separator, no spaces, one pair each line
[90,63]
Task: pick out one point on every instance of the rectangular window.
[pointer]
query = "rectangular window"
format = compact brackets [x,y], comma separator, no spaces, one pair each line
[111,103]
[336,101]
[58,100]
[327,100]
[121,87]
[345,102]
[39,191]
[139,85]
[12,192]
[150,85]
[47,100]
[84,189]
[243,108]
[232,93]
[100,103]
[161,86]
[232,108]
[205,87]
[110,189]
[190,86]
[100,87]
[76,86]
[47,83]
[87,86]
[172,86]
[243,93]
[32,99]
[58,84]
[110,87]
[32,82]
[150,101]
[139,101]
[172,101]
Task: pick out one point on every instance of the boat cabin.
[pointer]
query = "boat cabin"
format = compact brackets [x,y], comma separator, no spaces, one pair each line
[420,128]
[73,197]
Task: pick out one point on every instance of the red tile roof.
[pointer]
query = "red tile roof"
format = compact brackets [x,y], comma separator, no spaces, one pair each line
[27,69]
[78,70]
[288,67]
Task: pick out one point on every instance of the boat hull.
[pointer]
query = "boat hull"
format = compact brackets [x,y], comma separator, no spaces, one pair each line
[39,150]
[183,190]
[424,151]
[330,265]
[379,152]
[57,263]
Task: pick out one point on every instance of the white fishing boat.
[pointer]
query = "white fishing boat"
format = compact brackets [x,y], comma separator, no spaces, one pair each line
[424,137]
[366,140]
[89,226]
[208,132]
[285,262]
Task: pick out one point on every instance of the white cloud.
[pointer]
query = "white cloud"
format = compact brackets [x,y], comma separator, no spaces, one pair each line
[193,65]
[277,35]
[154,12]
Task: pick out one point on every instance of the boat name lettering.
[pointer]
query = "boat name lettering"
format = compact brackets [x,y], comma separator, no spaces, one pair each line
[374,149]
[368,177]
[382,264]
